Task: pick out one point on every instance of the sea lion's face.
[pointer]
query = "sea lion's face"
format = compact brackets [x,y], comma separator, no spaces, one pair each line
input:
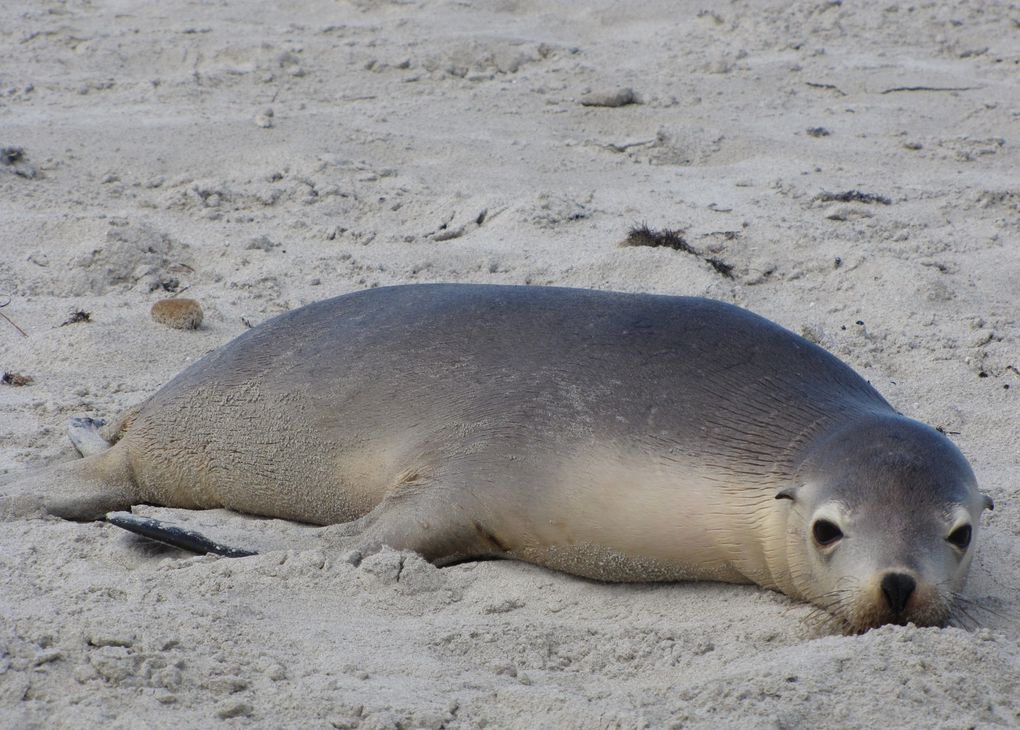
[885,526]
[872,564]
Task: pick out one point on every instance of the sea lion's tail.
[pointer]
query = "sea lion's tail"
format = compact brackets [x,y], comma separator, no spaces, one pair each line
[80,490]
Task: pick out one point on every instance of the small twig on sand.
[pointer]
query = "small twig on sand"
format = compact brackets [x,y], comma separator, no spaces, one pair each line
[830,87]
[928,88]
[23,333]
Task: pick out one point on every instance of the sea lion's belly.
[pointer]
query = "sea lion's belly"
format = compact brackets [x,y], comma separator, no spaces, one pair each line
[610,516]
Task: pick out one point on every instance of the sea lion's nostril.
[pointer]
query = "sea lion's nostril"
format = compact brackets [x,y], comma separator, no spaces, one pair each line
[898,588]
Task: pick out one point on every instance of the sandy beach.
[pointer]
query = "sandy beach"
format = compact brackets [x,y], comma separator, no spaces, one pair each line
[847,170]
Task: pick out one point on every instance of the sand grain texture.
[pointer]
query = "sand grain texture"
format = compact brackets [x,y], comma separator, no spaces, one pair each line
[855,164]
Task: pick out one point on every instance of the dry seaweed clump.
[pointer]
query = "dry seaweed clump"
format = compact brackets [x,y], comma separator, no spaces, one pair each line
[181,314]
[673,238]
[16,379]
[14,160]
[668,238]
[79,315]
[853,196]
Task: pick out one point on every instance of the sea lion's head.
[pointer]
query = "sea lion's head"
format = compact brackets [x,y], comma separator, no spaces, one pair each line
[883,523]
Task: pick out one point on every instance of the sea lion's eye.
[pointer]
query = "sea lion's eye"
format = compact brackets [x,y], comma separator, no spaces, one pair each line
[960,537]
[826,533]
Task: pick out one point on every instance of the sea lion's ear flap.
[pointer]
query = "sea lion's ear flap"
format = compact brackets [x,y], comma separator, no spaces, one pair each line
[989,504]
[789,493]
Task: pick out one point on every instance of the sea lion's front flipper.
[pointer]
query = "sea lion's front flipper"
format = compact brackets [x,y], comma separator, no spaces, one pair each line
[173,535]
[419,519]
[217,531]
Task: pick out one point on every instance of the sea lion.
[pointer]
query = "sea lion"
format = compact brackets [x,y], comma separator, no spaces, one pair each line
[620,437]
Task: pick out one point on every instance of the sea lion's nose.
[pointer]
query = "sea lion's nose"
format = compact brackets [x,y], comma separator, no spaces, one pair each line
[898,588]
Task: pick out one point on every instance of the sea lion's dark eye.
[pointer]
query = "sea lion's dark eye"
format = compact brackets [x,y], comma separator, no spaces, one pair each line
[826,533]
[960,537]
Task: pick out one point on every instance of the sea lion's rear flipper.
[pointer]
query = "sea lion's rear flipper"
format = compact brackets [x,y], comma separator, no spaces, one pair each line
[81,490]
[92,436]
[86,435]
[173,535]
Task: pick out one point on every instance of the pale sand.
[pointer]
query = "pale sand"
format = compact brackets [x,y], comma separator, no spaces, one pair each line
[150,158]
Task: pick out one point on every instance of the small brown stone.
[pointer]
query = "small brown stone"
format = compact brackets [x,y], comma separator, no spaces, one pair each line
[610,97]
[234,708]
[181,314]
